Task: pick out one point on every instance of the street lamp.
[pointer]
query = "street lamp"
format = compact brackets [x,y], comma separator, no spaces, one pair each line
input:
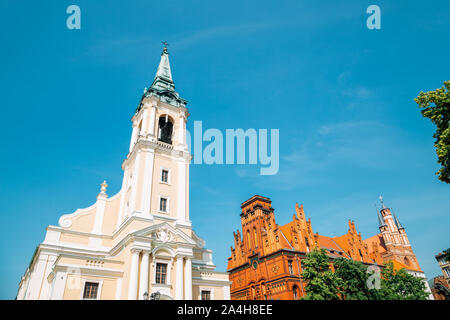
[155,295]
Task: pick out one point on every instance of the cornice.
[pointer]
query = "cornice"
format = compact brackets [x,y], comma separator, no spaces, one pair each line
[203,281]
[89,257]
[268,257]
[145,145]
[139,235]
[58,248]
[153,100]
[128,221]
[90,270]
[79,233]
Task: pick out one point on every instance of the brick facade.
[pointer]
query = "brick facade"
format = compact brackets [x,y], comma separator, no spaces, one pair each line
[266,260]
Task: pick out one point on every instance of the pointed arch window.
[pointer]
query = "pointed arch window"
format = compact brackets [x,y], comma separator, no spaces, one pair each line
[255,236]
[291,269]
[295,292]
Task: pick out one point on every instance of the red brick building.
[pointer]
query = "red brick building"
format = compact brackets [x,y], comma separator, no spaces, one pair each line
[266,260]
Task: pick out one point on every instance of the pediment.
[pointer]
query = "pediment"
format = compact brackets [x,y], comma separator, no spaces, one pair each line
[165,233]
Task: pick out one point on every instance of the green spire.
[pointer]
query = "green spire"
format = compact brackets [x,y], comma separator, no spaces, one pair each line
[163,86]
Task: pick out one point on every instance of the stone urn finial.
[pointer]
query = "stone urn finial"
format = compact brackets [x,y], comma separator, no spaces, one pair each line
[104,185]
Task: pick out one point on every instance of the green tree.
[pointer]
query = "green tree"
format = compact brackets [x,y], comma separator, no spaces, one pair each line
[400,285]
[354,277]
[322,283]
[435,105]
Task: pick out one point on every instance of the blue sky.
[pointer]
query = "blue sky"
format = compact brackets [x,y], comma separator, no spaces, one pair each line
[340,94]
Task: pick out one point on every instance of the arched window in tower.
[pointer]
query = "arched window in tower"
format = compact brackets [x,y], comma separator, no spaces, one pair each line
[165,129]
[249,239]
[255,236]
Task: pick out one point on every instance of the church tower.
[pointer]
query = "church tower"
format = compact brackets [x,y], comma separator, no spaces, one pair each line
[139,243]
[395,238]
[156,169]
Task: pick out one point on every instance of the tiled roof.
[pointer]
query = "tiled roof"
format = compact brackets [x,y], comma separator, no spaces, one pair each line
[378,240]
[286,231]
[398,265]
[333,249]
[285,243]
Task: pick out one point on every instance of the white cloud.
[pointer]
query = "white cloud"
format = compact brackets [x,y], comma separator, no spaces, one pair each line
[358,93]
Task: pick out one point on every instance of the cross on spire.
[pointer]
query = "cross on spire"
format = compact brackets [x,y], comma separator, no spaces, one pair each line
[381,200]
[165,43]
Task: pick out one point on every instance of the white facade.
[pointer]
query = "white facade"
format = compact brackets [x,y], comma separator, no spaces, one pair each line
[139,241]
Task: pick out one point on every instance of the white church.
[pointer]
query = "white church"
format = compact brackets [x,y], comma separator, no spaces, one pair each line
[139,243]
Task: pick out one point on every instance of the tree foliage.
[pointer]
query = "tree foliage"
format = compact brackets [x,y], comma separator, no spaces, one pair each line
[350,280]
[435,105]
[400,285]
[322,282]
[354,277]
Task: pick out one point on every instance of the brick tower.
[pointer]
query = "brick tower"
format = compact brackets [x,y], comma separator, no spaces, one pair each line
[395,239]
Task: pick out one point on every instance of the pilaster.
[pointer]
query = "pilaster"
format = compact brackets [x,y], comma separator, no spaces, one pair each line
[133,284]
[179,278]
[188,279]
[143,284]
